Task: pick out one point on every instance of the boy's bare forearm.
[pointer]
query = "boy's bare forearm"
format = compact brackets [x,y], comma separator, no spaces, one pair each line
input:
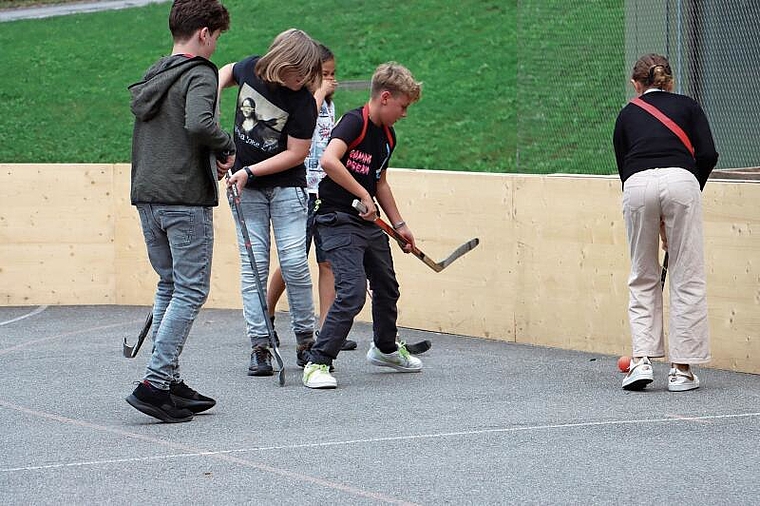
[339,173]
[387,201]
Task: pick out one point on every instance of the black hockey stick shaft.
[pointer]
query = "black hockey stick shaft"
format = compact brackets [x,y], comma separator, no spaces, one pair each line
[234,196]
[131,351]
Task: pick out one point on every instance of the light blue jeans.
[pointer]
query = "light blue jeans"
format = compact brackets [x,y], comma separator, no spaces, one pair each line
[180,241]
[286,209]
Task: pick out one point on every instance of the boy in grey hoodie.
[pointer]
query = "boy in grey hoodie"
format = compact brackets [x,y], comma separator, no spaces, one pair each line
[178,155]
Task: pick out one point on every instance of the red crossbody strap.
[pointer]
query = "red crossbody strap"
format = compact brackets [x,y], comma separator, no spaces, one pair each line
[672,126]
[365,120]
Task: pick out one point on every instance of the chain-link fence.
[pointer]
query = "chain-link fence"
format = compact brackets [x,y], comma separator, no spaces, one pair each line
[574,64]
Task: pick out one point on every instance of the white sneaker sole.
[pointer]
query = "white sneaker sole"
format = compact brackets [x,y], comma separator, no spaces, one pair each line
[637,384]
[320,385]
[638,381]
[683,387]
[401,368]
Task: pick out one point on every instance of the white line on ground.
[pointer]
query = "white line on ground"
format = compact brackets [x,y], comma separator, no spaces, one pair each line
[37,310]
[190,452]
[33,342]
[221,453]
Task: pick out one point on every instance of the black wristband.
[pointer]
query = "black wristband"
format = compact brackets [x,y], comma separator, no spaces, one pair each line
[249,172]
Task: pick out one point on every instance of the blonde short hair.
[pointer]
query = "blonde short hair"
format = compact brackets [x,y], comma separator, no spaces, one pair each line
[293,49]
[396,79]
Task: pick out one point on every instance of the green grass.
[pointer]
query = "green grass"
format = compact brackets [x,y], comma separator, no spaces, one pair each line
[571,85]
[495,78]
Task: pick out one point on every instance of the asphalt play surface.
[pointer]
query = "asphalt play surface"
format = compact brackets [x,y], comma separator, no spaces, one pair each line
[486,422]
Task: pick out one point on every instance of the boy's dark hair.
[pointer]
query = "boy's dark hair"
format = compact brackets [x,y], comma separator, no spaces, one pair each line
[188,16]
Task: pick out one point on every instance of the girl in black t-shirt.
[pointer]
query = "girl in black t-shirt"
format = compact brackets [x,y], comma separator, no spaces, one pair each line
[274,121]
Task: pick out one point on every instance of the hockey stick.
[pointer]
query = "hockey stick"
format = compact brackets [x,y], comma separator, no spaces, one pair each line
[234,196]
[664,271]
[420,347]
[131,351]
[436,266]
[417,348]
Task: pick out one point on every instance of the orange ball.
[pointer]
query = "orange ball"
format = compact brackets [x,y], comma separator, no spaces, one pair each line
[623,363]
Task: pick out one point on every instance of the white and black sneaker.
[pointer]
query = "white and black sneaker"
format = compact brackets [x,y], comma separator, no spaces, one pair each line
[640,374]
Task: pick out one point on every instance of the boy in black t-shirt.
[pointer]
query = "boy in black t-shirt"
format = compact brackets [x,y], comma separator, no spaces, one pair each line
[355,162]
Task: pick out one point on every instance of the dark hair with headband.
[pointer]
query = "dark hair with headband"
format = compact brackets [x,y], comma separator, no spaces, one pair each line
[653,71]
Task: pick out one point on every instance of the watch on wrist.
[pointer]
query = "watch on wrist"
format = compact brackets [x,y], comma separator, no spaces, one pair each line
[249,172]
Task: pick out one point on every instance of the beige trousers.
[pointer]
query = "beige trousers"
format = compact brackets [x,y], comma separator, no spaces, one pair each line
[671,195]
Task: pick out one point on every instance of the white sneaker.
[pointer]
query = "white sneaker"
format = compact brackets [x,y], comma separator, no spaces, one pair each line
[681,381]
[400,359]
[639,375]
[318,376]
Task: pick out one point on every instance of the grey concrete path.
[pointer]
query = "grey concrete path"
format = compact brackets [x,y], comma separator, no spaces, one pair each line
[47,11]
[486,422]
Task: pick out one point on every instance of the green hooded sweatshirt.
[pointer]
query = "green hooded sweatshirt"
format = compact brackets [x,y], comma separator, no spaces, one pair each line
[176,136]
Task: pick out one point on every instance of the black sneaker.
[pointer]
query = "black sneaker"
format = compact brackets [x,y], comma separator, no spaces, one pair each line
[348,345]
[158,404]
[261,362]
[302,353]
[185,397]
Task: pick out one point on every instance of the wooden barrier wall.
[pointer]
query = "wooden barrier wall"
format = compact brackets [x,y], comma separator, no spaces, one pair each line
[551,268]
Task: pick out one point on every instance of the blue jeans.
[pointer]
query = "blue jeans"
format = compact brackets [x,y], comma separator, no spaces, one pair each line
[357,251]
[180,242]
[286,209]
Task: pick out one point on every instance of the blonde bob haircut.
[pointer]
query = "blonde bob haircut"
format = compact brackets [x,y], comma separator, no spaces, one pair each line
[396,79]
[293,49]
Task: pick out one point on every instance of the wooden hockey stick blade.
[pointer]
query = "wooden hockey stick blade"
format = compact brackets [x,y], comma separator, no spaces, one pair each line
[461,250]
[131,351]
